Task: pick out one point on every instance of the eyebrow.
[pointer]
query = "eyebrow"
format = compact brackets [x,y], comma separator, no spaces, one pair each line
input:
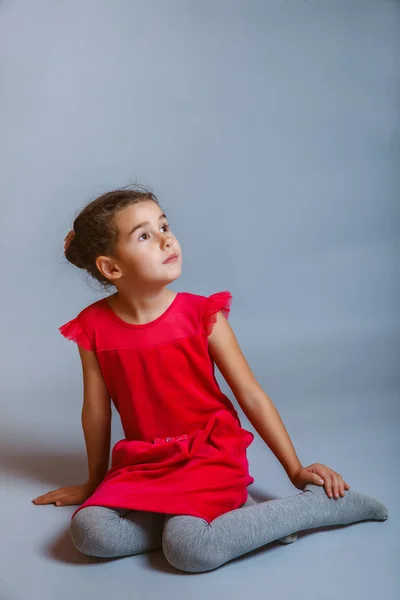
[163,216]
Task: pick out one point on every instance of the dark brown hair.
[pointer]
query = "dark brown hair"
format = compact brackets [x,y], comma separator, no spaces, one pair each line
[95,230]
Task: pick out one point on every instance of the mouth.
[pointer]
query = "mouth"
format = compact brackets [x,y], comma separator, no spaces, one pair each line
[170,259]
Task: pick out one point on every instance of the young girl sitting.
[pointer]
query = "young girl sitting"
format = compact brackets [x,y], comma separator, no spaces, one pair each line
[178,480]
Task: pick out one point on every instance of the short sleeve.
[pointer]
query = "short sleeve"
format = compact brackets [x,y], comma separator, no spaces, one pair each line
[74,331]
[221,301]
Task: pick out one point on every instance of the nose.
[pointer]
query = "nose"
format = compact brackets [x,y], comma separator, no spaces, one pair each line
[166,241]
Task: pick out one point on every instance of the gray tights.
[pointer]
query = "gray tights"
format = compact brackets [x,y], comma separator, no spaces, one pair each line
[193,545]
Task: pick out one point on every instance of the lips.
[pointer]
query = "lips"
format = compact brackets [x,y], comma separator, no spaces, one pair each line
[171,258]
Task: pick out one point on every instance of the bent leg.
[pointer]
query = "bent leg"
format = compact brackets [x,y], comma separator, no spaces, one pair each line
[192,544]
[287,539]
[111,532]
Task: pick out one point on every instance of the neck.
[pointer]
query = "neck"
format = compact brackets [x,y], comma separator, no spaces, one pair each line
[143,307]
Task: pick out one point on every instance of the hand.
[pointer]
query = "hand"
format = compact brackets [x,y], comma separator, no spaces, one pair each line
[320,475]
[65,496]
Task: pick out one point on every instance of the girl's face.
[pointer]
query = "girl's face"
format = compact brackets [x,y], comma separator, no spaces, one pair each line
[145,242]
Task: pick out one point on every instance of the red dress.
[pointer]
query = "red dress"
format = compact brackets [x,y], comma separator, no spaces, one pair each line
[184,450]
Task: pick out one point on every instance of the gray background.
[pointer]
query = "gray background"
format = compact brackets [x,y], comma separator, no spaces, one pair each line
[270,132]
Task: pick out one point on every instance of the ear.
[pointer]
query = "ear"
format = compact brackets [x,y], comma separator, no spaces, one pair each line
[108,267]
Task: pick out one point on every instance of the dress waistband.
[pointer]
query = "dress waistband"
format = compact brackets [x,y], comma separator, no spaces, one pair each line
[175,438]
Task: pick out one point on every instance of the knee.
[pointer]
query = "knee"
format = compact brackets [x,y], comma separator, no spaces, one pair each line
[88,532]
[190,549]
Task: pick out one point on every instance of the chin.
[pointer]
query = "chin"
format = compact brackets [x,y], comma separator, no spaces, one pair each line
[174,277]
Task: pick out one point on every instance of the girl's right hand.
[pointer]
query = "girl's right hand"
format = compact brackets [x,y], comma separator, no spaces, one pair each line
[65,496]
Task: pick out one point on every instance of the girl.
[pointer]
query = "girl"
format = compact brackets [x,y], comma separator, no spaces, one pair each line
[179,478]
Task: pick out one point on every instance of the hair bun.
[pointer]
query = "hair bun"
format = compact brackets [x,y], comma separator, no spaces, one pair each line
[68,239]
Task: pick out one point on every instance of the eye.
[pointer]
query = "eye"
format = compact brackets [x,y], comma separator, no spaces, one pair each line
[165,226]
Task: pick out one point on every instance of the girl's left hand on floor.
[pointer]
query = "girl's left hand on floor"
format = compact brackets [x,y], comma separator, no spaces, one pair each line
[333,482]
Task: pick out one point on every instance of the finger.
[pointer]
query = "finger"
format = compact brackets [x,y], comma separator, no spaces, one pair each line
[63,501]
[326,478]
[49,497]
[336,486]
[317,479]
[45,499]
[328,485]
[346,485]
[333,479]
[340,485]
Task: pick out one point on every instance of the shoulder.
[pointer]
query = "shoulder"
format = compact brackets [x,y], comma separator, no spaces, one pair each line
[92,310]
[208,307]
[224,297]
[88,317]
[81,329]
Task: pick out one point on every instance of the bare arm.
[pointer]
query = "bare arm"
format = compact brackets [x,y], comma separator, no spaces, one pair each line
[261,412]
[256,404]
[96,418]
[96,423]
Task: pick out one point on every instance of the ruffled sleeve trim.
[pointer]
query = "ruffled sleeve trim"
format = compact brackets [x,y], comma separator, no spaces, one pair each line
[73,331]
[221,301]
